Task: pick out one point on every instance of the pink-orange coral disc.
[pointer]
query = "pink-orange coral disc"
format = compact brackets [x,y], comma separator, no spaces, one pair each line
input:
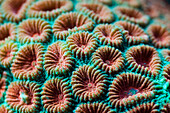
[96,107]
[160,36]
[49,9]
[23,96]
[98,12]
[132,15]
[58,59]
[143,59]
[133,33]
[109,35]
[34,30]
[82,44]
[28,63]
[15,10]
[88,83]
[108,59]
[71,22]
[57,96]
[129,89]
[7,53]
[7,32]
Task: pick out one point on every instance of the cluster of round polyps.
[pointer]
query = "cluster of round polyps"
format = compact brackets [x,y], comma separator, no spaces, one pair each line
[84,56]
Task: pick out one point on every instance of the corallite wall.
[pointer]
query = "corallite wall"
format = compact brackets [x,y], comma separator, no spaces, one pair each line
[84,56]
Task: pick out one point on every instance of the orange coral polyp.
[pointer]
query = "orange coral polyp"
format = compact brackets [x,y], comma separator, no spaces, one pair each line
[129,89]
[49,9]
[159,35]
[34,30]
[15,10]
[109,35]
[58,59]
[28,63]
[98,12]
[133,33]
[24,96]
[82,44]
[143,59]
[132,15]
[57,96]
[108,59]
[71,22]
[88,83]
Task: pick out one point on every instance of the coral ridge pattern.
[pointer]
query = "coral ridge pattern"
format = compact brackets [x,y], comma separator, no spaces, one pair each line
[84,56]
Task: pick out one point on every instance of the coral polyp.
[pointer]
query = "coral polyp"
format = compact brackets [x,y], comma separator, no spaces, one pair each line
[71,22]
[34,30]
[129,89]
[49,9]
[15,10]
[159,35]
[58,59]
[28,63]
[97,107]
[82,44]
[132,15]
[143,59]
[88,83]
[109,35]
[23,96]
[57,96]
[98,12]
[133,33]
[108,59]
[84,56]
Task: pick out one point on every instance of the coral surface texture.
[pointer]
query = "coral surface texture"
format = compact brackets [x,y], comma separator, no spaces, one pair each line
[84,56]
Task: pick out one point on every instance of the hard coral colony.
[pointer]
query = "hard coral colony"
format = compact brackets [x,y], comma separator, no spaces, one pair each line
[84,56]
